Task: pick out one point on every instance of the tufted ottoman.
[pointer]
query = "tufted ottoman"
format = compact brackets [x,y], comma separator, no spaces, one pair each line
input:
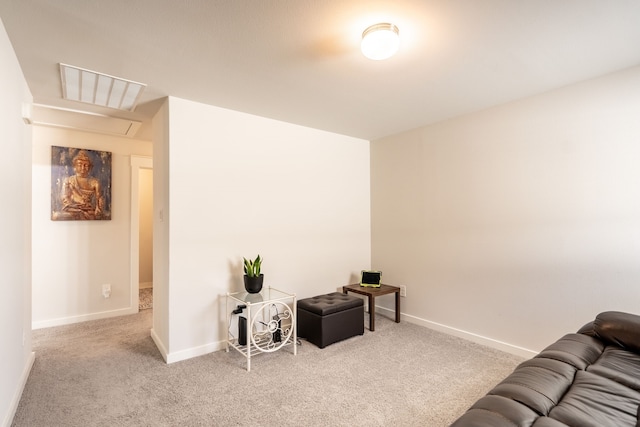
[326,319]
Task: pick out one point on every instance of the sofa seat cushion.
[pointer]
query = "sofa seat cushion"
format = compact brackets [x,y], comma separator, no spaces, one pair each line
[594,401]
[619,365]
[548,422]
[497,411]
[537,383]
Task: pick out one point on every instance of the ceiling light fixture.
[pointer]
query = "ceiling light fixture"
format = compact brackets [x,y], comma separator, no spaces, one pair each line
[96,88]
[380,41]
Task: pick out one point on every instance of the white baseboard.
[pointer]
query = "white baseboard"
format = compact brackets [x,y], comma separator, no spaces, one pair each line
[145,285]
[189,353]
[194,352]
[15,401]
[83,318]
[156,339]
[478,339]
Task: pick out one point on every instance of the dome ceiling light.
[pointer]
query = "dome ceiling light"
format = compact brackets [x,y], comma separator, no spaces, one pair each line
[380,41]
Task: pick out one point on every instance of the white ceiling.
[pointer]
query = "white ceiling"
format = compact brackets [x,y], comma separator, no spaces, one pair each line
[299,60]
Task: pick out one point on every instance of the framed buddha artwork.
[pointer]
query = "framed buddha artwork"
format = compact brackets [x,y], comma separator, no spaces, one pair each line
[80,184]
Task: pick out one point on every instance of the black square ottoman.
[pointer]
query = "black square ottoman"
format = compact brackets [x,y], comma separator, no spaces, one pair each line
[330,318]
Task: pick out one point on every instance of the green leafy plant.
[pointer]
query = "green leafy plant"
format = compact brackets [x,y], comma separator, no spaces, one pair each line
[252,267]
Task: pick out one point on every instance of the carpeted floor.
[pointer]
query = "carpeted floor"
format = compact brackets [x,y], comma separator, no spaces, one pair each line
[109,373]
[146,299]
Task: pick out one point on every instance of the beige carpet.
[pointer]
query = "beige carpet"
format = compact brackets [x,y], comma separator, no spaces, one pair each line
[145,299]
[109,373]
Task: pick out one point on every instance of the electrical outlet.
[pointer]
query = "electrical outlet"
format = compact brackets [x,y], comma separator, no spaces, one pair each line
[403,291]
[106,290]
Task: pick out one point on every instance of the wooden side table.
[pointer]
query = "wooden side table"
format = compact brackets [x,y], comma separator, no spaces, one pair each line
[371,294]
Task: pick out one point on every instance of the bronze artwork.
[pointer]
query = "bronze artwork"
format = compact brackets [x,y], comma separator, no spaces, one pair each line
[81,196]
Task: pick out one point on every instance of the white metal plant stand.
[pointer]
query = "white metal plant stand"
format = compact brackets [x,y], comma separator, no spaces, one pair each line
[270,322]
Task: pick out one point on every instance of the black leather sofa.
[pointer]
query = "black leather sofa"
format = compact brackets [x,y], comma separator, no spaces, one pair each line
[587,379]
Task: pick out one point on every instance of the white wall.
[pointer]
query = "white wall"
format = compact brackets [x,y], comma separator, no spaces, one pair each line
[519,223]
[160,331]
[72,259]
[241,185]
[16,357]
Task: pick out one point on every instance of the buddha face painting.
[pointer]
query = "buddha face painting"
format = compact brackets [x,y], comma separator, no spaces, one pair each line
[82,164]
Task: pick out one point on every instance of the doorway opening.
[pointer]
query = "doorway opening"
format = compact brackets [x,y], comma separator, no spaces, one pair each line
[141,233]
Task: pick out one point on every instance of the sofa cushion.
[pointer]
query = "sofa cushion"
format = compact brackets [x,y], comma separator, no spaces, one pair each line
[594,401]
[621,329]
[537,383]
[575,349]
[619,365]
[548,422]
[497,411]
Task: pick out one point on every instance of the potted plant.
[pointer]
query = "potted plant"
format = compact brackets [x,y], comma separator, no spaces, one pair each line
[252,277]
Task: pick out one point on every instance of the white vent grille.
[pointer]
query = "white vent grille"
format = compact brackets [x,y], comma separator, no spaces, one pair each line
[100,89]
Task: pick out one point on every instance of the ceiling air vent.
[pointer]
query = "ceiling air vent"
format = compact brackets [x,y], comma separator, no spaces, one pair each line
[100,89]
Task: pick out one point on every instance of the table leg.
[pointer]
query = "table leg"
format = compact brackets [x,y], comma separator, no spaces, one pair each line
[398,307]
[295,329]
[249,329]
[372,313]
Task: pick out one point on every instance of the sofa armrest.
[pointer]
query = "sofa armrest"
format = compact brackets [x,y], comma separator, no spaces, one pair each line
[588,329]
[621,329]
